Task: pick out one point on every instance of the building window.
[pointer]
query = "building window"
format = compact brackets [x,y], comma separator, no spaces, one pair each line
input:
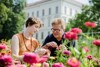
[36,35]
[37,13]
[70,12]
[49,11]
[27,15]
[42,35]
[49,21]
[32,13]
[56,10]
[48,32]
[65,9]
[43,12]
[75,11]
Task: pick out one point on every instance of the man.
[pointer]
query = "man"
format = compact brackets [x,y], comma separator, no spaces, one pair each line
[55,39]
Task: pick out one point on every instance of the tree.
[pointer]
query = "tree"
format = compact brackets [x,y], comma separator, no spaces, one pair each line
[11,17]
[89,12]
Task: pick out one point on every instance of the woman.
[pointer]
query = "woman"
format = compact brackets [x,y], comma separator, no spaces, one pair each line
[24,42]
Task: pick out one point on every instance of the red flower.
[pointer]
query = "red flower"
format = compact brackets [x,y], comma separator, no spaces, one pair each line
[96,42]
[2,46]
[70,36]
[90,24]
[43,59]
[76,30]
[73,62]
[5,60]
[66,52]
[58,65]
[31,58]
[89,57]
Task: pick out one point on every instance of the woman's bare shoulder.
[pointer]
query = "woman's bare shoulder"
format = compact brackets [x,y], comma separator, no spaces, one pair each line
[34,39]
[15,36]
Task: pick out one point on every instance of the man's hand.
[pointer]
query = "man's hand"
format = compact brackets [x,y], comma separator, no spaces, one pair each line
[61,48]
[52,44]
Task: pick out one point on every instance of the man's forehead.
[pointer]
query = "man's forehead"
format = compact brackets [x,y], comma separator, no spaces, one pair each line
[56,25]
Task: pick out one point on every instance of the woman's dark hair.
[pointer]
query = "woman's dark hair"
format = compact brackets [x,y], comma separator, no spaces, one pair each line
[33,20]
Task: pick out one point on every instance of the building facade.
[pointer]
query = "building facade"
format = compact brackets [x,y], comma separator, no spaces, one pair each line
[47,10]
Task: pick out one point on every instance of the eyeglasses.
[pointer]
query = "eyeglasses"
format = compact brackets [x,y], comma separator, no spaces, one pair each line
[57,30]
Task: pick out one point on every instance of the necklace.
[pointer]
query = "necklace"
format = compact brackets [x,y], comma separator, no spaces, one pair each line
[25,43]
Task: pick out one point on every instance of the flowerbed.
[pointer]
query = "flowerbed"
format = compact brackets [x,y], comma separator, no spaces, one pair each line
[85,54]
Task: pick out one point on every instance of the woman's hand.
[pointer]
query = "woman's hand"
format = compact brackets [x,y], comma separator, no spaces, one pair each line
[42,52]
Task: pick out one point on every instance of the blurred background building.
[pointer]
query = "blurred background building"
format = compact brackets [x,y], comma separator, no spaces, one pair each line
[47,10]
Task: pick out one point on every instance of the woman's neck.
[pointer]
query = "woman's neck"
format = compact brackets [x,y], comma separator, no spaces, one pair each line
[26,34]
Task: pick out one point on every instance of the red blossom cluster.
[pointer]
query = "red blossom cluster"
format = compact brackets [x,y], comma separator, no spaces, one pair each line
[90,24]
[58,65]
[73,34]
[96,42]
[5,60]
[76,30]
[33,58]
[70,36]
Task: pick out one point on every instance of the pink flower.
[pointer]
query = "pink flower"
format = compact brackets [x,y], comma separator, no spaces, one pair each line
[76,30]
[20,65]
[90,24]
[58,65]
[89,57]
[31,58]
[5,60]
[86,49]
[70,36]
[96,42]
[32,66]
[45,64]
[67,52]
[2,46]
[73,62]
[43,59]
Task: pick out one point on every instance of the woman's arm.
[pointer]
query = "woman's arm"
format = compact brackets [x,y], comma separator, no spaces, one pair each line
[15,48]
[15,45]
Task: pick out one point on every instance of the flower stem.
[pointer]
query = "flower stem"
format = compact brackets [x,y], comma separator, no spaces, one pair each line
[28,65]
[98,52]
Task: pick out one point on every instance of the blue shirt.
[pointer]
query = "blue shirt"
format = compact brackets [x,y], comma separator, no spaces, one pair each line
[51,38]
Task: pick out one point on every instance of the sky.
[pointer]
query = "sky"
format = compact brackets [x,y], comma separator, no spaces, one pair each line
[82,1]
[31,1]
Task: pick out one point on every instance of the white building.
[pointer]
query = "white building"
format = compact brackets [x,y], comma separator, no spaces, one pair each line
[47,10]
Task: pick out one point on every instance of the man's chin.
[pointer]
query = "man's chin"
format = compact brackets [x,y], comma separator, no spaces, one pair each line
[56,36]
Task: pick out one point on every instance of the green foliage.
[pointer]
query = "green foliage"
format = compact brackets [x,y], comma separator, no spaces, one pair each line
[78,52]
[89,12]
[11,17]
